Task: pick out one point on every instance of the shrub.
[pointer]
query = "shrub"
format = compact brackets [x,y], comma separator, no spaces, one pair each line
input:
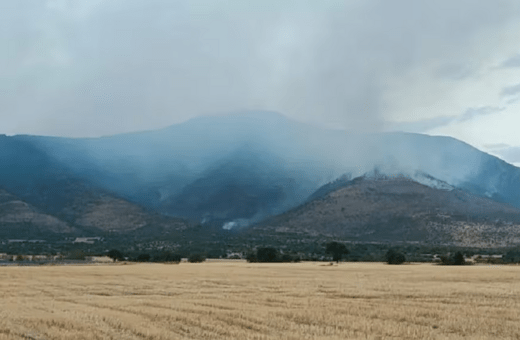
[196,258]
[512,257]
[445,260]
[267,254]
[115,255]
[251,257]
[176,258]
[77,254]
[494,260]
[394,257]
[270,254]
[286,258]
[337,250]
[458,259]
[172,257]
[143,258]
[354,257]
[368,258]
[167,257]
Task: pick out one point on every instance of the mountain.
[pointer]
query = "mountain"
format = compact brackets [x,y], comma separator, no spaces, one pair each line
[241,167]
[88,213]
[102,212]
[245,186]
[46,195]
[19,219]
[380,208]
[37,177]
[234,157]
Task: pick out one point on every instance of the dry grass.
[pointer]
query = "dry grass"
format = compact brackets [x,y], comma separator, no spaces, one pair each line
[260,301]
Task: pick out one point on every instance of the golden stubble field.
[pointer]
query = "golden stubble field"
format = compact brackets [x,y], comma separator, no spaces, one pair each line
[238,300]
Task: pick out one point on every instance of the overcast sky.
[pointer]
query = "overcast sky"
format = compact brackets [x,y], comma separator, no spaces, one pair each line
[99,67]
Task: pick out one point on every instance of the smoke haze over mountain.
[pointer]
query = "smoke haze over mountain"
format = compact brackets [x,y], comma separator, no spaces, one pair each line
[91,68]
[238,168]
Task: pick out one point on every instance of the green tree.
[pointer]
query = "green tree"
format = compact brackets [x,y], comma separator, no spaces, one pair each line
[286,258]
[143,258]
[458,259]
[115,255]
[337,250]
[167,256]
[512,256]
[77,254]
[196,258]
[251,257]
[267,254]
[394,257]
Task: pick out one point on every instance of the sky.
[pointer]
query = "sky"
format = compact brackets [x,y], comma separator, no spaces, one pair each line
[87,68]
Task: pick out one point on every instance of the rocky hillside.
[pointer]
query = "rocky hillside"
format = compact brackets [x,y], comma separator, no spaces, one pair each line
[86,214]
[20,219]
[43,195]
[381,208]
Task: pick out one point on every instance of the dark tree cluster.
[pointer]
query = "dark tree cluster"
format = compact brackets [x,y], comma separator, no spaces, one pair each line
[337,250]
[143,258]
[456,260]
[512,256]
[167,257]
[196,258]
[270,254]
[77,254]
[115,255]
[394,257]
[164,257]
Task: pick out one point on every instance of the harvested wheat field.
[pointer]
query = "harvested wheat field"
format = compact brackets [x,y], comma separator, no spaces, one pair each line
[225,300]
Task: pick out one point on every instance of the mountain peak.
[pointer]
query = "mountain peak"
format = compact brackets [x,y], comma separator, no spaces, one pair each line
[257,115]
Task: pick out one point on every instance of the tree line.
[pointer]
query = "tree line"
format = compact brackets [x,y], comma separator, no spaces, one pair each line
[336,250]
[162,257]
[319,251]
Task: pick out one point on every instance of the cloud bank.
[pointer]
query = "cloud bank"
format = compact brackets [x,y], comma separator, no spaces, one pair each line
[91,68]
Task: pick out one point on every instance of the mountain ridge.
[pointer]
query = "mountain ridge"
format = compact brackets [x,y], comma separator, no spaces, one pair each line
[233,169]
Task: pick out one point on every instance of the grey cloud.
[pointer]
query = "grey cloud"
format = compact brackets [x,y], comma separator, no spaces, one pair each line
[510,91]
[459,71]
[514,61]
[513,100]
[87,68]
[472,113]
[510,154]
[426,125]
[496,146]
[421,126]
